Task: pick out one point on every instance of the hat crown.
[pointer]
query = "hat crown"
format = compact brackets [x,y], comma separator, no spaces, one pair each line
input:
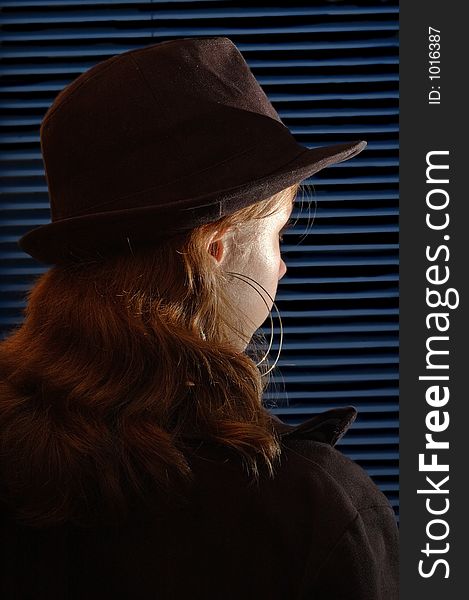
[160,113]
[206,69]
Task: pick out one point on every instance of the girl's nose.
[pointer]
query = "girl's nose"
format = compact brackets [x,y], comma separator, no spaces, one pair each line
[283,269]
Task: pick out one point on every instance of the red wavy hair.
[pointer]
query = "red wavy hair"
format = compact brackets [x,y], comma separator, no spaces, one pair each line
[96,401]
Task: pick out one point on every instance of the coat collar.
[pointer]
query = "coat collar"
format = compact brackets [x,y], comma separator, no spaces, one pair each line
[328,426]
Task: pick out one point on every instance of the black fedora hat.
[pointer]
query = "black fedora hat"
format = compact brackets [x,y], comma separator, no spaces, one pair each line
[156,141]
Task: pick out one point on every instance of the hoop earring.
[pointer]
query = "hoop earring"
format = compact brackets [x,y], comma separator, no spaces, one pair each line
[270,315]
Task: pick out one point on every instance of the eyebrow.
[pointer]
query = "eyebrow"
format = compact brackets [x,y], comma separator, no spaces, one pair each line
[288,223]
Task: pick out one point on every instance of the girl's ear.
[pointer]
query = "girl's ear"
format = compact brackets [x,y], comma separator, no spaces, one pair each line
[216,249]
[216,243]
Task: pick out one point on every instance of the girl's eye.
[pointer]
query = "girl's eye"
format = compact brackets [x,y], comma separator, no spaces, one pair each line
[288,224]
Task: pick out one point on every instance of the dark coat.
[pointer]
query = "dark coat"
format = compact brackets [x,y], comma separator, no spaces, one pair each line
[321,529]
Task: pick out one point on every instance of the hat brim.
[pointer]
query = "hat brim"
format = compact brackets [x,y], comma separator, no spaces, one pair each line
[64,240]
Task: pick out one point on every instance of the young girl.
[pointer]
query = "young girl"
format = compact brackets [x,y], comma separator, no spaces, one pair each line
[136,457]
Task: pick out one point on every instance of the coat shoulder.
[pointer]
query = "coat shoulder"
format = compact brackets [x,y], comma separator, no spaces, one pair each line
[325,462]
[311,447]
